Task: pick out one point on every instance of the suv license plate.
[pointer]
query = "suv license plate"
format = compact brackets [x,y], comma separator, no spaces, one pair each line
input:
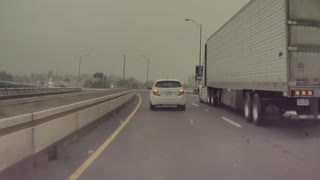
[303,102]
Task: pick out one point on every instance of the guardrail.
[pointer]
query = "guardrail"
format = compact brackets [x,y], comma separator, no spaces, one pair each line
[28,134]
[9,84]
[24,92]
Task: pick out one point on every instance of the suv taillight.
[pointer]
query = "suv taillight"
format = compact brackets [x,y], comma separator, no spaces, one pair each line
[155,92]
[181,92]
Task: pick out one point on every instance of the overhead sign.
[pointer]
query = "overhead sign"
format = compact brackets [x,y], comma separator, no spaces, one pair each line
[98,75]
[199,73]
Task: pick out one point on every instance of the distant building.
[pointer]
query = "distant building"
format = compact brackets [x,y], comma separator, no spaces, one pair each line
[39,78]
[50,75]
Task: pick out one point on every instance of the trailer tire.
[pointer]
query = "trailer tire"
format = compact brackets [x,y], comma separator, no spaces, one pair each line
[248,107]
[215,102]
[209,97]
[215,98]
[257,110]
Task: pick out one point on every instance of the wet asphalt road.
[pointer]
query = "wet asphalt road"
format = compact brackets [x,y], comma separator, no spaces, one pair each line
[201,143]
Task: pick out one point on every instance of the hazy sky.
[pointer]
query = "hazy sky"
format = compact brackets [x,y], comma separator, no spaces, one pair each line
[42,35]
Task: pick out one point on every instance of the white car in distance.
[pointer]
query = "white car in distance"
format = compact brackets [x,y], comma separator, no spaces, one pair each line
[168,93]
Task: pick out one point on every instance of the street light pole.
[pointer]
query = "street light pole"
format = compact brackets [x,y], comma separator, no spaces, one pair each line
[124,67]
[123,71]
[79,71]
[148,66]
[200,51]
[199,26]
[79,78]
[147,73]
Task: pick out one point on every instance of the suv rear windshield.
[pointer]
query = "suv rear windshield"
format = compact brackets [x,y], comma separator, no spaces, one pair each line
[168,84]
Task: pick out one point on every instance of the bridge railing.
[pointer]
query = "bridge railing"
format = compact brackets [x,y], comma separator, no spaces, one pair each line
[25,135]
[24,92]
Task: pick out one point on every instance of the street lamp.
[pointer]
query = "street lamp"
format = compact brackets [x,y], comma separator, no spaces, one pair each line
[148,63]
[199,26]
[79,78]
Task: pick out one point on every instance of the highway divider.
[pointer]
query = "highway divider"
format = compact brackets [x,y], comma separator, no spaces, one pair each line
[6,93]
[26,135]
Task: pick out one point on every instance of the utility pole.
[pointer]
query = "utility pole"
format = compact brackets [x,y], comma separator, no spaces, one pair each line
[147,73]
[200,45]
[79,78]
[79,71]
[124,68]
[199,26]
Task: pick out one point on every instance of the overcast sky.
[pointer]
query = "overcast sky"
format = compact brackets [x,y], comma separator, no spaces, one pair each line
[42,35]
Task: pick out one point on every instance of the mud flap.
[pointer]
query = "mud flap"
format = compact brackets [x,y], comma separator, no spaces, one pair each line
[314,107]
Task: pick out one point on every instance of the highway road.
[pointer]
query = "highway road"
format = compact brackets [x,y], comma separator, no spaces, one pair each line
[21,106]
[201,143]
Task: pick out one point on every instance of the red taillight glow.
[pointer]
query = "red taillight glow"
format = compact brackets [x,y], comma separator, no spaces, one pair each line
[155,92]
[181,92]
[304,93]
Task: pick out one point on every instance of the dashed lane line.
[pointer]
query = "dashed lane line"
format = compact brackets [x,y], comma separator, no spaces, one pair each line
[231,122]
[195,104]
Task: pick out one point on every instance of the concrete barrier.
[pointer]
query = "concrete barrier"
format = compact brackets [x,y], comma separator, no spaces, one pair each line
[16,92]
[17,145]
[25,135]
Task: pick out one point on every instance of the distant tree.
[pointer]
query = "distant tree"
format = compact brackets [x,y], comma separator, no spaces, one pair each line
[67,80]
[121,83]
[22,79]
[101,83]
[4,76]
[113,79]
[130,83]
[88,84]
[98,84]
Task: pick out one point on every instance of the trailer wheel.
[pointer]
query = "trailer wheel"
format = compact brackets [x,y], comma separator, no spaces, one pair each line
[216,98]
[248,107]
[212,98]
[257,110]
[209,97]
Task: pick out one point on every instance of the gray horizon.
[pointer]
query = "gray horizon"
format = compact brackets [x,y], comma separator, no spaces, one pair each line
[37,36]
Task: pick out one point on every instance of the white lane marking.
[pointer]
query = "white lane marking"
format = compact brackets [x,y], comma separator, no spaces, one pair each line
[195,104]
[206,109]
[231,122]
[105,145]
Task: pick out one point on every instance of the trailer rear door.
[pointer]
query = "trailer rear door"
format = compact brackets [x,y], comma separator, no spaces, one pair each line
[304,42]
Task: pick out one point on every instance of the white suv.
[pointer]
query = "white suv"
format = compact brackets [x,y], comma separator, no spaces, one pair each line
[168,93]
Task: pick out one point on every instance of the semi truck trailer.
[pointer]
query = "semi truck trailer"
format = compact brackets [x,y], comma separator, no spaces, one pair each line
[266,54]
